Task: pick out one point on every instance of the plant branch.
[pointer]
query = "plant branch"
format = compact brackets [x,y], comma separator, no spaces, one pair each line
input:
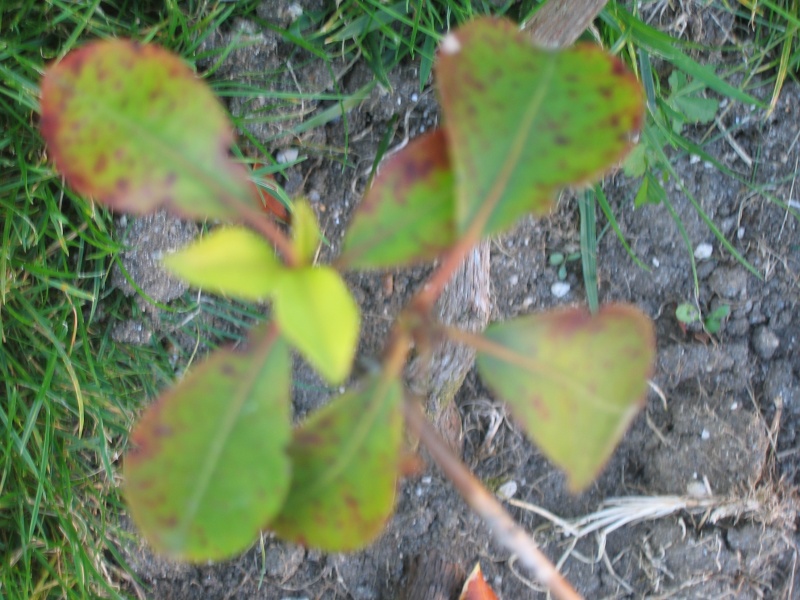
[423,302]
[505,530]
[559,24]
[396,352]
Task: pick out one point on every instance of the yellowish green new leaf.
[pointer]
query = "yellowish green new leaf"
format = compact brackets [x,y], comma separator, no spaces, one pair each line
[318,315]
[305,231]
[233,261]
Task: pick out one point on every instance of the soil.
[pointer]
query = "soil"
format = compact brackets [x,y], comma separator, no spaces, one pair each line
[716,449]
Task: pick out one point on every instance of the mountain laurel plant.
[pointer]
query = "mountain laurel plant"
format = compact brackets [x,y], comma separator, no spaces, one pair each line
[215,460]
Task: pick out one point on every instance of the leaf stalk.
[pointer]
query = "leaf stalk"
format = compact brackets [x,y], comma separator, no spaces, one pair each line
[505,530]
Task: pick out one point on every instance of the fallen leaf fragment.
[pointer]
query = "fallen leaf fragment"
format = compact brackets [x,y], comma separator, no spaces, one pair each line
[476,588]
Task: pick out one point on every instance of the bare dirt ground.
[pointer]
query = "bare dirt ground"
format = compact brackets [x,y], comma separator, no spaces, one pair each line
[715,452]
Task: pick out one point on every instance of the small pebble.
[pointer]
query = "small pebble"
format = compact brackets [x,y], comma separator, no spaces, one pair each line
[705,434]
[560,289]
[295,11]
[656,263]
[287,155]
[507,490]
[781,383]
[737,327]
[728,282]
[696,489]
[765,342]
[703,251]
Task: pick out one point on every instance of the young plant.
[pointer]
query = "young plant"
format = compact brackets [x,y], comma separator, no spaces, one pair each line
[560,260]
[215,459]
[688,314]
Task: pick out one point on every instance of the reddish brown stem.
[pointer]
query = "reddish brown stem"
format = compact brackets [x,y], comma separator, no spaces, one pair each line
[261,223]
[505,530]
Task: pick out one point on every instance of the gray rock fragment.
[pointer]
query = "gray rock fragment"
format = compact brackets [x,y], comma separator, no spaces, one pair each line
[765,342]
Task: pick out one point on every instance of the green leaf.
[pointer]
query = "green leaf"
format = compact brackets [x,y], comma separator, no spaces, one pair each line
[635,164]
[407,215]
[208,464]
[677,81]
[573,381]
[687,313]
[650,191]
[686,104]
[713,322]
[522,122]
[130,125]
[345,459]
[695,109]
[233,261]
[305,231]
[318,315]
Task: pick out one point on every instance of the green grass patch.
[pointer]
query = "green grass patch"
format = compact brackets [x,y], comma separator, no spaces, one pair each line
[68,392]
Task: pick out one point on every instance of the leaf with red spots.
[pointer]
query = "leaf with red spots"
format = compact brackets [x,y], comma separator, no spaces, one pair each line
[208,465]
[573,380]
[476,588]
[346,461]
[522,122]
[407,214]
[130,125]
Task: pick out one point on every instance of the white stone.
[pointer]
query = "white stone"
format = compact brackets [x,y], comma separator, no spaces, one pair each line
[295,11]
[703,251]
[697,489]
[507,490]
[560,289]
[287,155]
